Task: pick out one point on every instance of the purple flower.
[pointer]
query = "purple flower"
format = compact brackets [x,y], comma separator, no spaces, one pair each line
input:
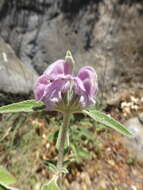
[86,85]
[56,86]
[54,81]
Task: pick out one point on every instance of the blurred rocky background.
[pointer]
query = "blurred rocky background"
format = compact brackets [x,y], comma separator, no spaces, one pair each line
[107,34]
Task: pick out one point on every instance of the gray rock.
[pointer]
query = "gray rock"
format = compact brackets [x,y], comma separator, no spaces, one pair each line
[15,77]
[1,3]
[141,117]
[104,34]
[135,144]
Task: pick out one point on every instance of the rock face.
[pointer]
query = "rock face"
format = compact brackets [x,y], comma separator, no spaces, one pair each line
[105,34]
[15,77]
[135,144]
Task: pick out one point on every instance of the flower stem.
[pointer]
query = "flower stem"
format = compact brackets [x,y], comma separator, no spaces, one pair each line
[64,129]
[62,140]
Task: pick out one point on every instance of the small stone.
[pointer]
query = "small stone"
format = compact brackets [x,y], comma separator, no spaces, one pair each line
[102,185]
[47,145]
[37,186]
[85,177]
[133,187]
[75,186]
[135,100]
[44,136]
[111,162]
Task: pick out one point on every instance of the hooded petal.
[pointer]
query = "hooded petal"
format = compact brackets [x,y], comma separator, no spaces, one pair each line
[55,80]
[60,67]
[40,86]
[53,91]
[86,85]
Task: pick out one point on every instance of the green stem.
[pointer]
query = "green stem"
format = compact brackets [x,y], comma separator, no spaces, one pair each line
[64,129]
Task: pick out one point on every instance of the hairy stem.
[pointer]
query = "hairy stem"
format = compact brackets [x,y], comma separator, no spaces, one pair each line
[66,121]
[62,140]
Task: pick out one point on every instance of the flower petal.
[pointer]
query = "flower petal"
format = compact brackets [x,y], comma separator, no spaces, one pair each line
[87,80]
[53,91]
[60,67]
[39,87]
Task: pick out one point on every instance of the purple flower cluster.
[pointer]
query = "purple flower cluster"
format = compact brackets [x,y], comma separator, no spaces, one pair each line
[58,81]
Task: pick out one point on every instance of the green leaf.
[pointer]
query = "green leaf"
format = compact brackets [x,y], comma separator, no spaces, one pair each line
[64,170]
[52,185]
[82,131]
[69,161]
[2,188]
[76,138]
[6,177]
[51,166]
[6,187]
[24,106]
[83,154]
[107,121]
[100,127]
[80,153]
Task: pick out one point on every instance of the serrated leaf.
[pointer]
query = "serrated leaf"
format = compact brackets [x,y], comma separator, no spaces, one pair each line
[6,177]
[107,121]
[52,185]
[24,106]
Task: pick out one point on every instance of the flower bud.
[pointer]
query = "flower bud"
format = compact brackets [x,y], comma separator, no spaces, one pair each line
[69,60]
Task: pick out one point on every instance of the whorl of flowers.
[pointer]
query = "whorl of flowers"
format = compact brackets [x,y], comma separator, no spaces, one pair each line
[62,91]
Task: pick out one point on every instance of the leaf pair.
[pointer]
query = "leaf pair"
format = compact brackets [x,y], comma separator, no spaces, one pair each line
[31,105]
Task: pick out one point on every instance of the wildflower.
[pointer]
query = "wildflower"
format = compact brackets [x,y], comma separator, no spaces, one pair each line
[61,91]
